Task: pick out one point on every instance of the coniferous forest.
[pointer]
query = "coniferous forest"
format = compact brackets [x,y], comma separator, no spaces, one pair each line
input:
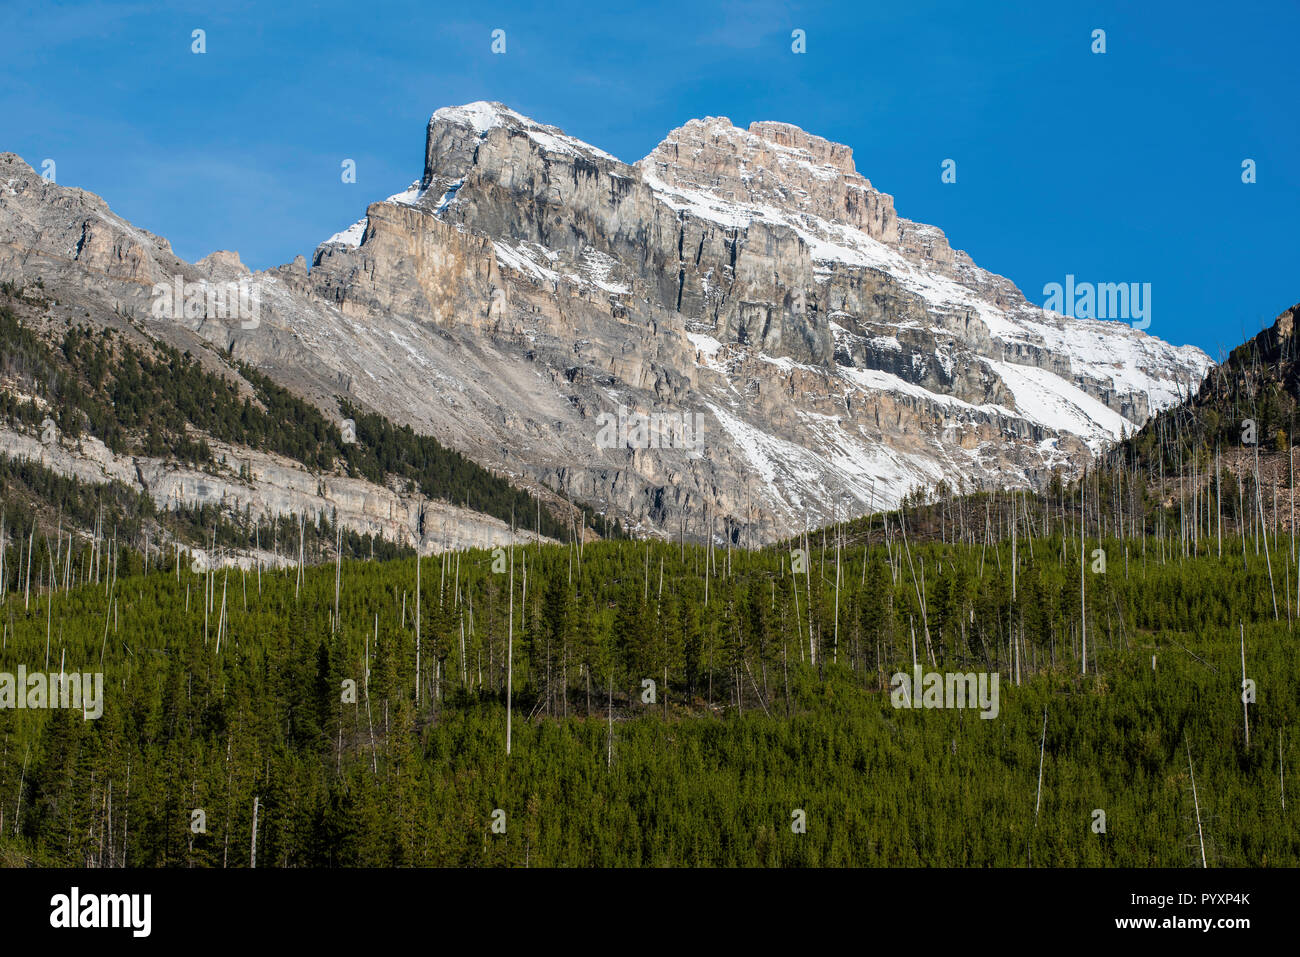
[634,703]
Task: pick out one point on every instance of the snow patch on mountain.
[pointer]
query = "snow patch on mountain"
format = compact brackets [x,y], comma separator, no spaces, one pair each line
[483,117]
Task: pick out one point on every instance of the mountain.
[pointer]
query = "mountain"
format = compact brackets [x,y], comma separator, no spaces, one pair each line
[809,352]
[108,424]
[1240,422]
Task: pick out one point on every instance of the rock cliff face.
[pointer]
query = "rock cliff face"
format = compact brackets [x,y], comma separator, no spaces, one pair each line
[529,289]
[247,482]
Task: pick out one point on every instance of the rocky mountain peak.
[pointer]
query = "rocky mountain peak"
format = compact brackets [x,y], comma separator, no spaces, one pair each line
[223,264]
[792,137]
[457,133]
[718,134]
[772,165]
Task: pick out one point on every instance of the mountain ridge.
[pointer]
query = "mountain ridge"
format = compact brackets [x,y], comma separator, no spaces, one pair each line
[528,283]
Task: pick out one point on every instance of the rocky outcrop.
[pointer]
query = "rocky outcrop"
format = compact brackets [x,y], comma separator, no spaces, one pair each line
[258,486]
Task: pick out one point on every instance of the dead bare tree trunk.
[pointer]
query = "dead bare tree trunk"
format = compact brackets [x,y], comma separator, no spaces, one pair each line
[252,858]
[1245,706]
[1200,835]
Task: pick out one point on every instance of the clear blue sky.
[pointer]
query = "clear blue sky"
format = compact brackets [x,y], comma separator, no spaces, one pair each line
[1122,166]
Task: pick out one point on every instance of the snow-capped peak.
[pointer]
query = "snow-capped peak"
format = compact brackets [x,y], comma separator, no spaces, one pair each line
[482,117]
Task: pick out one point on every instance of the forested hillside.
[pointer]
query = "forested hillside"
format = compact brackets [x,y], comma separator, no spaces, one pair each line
[1250,399]
[158,401]
[227,690]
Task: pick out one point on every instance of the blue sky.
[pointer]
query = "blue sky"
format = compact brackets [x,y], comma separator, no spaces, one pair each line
[1115,167]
